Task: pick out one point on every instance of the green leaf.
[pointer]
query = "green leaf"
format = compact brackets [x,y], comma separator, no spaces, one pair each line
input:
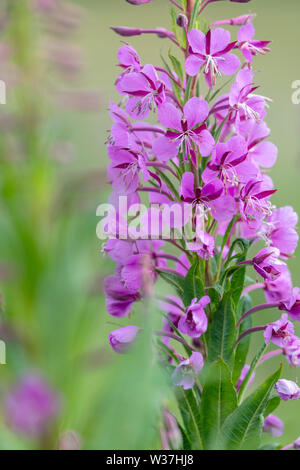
[242,429]
[242,349]
[250,372]
[237,285]
[189,410]
[174,280]
[177,66]
[195,14]
[188,89]
[222,333]
[215,294]
[179,32]
[186,443]
[193,285]
[271,446]
[218,401]
[168,182]
[210,97]
[273,403]
[219,129]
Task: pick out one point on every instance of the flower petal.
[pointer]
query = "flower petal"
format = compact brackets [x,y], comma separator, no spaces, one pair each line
[169,116]
[195,111]
[193,64]
[197,41]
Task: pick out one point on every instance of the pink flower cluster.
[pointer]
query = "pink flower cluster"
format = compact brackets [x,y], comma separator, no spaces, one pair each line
[209,150]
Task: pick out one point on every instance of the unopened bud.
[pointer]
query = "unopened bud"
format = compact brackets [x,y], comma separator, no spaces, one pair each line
[138,2]
[296,444]
[182,21]
[171,432]
[69,441]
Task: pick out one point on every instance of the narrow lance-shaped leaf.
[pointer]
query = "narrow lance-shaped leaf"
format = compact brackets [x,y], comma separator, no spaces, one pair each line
[218,401]
[189,409]
[242,429]
[242,349]
[222,333]
[193,286]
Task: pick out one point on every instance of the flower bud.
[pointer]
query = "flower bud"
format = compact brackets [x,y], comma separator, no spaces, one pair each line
[171,434]
[287,390]
[69,440]
[138,2]
[296,444]
[31,406]
[121,339]
[125,31]
[273,425]
[182,21]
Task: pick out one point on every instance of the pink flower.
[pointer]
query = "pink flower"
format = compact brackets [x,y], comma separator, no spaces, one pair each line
[184,374]
[129,59]
[125,168]
[280,230]
[203,196]
[287,390]
[230,162]
[292,305]
[194,322]
[245,105]
[121,339]
[263,154]
[292,352]
[186,132]
[254,200]
[277,289]
[280,332]
[145,91]
[212,51]
[119,300]
[273,425]
[204,245]
[266,263]
[248,46]
[31,406]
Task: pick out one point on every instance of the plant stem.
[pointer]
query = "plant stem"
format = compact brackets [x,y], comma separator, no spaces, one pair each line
[172,258]
[256,309]
[248,332]
[189,8]
[176,338]
[269,355]
[259,285]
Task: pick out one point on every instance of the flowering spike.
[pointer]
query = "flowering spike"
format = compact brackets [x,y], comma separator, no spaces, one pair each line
[191,194]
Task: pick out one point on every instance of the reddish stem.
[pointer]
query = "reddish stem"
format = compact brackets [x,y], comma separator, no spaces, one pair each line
[256,309]
[248,332]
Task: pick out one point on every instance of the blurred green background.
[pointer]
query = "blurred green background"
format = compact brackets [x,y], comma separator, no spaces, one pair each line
[52,177]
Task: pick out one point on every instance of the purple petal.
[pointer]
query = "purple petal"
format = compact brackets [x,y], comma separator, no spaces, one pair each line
[169,116]
[246,33]
[195,111]
[229,65]
[164,149]
[187,186]
[265,154]
[206,143]
[197,41]
[220,38]
[193,64]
